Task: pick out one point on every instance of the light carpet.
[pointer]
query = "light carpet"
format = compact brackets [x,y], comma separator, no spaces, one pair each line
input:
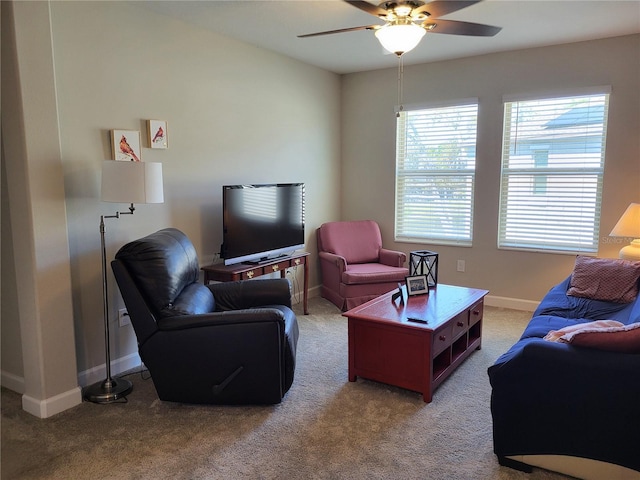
[325,428]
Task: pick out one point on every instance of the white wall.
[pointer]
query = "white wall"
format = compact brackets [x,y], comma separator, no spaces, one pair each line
[368,149]
[235,113]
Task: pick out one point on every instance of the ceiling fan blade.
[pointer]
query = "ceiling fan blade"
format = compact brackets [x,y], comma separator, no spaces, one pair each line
[368,7]
[454,27]
[439,8]
[341,30]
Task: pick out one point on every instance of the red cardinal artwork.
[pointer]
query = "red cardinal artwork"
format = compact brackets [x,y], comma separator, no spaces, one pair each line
[127,150]
[159,136]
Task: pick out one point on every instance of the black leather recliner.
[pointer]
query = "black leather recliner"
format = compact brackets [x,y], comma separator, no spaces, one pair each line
[224,343]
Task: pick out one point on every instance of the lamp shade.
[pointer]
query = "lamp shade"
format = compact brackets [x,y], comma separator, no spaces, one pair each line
[629,223]
[629,226]
[132,182]
[401,38]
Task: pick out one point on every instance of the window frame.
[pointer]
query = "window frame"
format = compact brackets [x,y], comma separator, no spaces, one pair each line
[583,236]
[465,216]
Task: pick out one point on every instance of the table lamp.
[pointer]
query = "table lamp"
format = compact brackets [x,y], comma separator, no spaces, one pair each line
[629,226]
[122,182]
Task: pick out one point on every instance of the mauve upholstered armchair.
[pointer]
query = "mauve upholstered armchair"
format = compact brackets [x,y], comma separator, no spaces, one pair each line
[354,266]
[224,343]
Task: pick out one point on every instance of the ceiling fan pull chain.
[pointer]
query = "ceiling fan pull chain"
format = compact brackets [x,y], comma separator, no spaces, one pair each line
[400,77]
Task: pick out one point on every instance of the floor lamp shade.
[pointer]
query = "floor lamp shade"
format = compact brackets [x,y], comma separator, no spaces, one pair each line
[132,182]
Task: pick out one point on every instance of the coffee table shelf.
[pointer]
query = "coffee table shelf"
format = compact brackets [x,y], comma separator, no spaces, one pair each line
[385,346]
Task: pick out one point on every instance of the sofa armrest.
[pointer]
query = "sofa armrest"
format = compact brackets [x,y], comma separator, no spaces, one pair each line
[392,258]
[338,261]
[234,317]
[251,293]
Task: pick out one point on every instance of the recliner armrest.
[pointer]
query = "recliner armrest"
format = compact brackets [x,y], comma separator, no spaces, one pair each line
[392,258]
[251,293]
[247,316]
[339,261]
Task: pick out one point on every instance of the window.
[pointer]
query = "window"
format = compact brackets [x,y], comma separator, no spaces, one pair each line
[435,173]
[552,169]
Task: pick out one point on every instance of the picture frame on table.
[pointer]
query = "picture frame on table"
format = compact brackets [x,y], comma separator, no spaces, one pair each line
[125,145]
[398,294]
[417,285]
[158,134]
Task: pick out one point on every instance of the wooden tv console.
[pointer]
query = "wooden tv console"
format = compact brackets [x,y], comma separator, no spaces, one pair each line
[389,343]
[219,272]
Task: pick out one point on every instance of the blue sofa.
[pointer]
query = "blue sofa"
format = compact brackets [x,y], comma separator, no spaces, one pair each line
[568,408]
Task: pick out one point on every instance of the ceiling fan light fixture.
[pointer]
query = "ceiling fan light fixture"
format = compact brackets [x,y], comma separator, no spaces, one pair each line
[400,39]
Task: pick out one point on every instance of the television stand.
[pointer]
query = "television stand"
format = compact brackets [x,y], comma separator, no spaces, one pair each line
[265,261]
[219,272]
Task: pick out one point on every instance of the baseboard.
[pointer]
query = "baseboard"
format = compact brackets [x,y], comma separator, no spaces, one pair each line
[12,382]
[53,405]
[513,303]
[118,366]
[314,291]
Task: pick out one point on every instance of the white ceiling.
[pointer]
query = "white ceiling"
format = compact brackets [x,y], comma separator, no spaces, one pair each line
[275,25]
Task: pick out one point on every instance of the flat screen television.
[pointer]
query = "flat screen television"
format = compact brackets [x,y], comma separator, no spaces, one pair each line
[261,221]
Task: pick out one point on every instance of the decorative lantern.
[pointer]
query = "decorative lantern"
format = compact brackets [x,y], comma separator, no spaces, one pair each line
[424,262]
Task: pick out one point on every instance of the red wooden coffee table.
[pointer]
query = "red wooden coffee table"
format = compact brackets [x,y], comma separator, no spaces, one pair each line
[388,344]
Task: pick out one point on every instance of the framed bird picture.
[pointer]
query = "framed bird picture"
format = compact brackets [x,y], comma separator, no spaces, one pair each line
[157,130]
[126,145]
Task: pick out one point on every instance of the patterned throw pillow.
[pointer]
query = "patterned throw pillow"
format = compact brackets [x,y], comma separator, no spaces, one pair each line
[607,279]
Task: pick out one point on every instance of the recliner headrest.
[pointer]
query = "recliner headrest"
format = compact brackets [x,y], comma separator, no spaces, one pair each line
[162,265]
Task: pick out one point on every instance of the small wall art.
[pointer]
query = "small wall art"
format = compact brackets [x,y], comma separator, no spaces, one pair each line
[125,145]
[158,137]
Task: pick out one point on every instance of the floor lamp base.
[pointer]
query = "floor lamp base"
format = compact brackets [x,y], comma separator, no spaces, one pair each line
[108,391]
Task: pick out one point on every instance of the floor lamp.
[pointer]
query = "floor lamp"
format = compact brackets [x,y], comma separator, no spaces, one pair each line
[122,182]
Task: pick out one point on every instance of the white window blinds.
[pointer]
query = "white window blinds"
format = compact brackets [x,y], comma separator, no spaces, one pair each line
[435,172]
[552,169]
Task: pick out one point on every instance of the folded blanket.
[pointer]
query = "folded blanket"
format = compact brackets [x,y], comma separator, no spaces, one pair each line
[602,334]
[596,326]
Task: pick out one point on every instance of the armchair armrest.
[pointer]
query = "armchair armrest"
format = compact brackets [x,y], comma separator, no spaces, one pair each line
[337,260]
[392,257]
[251,293]
[235,317]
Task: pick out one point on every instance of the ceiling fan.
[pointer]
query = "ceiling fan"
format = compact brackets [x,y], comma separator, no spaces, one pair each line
[406,22]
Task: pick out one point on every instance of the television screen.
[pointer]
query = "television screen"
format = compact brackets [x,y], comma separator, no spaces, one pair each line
[261,222]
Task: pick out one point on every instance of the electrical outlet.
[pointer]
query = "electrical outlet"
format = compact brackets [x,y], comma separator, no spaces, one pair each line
[460,266]
[123,317]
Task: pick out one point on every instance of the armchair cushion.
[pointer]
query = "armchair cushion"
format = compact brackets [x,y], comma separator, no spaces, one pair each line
[372,273]
[357,241]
